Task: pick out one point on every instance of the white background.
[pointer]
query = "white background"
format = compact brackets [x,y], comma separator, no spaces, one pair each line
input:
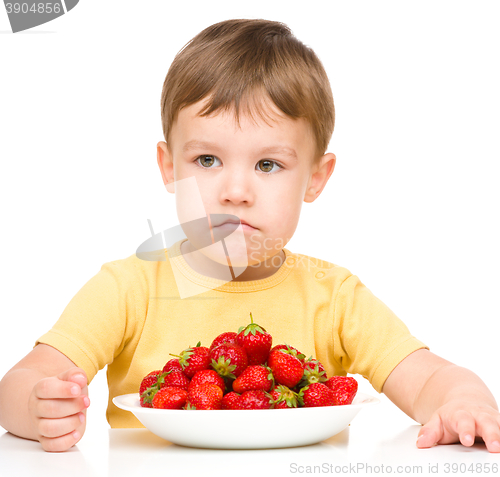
[412,206]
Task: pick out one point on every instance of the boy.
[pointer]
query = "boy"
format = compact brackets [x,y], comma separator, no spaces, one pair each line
[247,113]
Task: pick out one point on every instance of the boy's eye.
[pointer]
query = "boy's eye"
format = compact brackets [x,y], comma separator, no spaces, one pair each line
[267,165]
[206,161]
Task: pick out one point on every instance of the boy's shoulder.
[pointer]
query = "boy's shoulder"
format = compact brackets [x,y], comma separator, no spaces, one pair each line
[133,269]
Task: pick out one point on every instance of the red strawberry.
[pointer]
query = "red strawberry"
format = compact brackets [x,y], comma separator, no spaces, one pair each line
[229,400]
[170,397]
[149,386]
[256,341]
[286,368]
[207,376]
[176,378]
[204,396]
[229,360]
[254,378]
[285,398]
[149,380]
[317,394]
[227,337]
[172,364]
[253,400]
[290,350]
[344,388]
[194,359]
[314,372]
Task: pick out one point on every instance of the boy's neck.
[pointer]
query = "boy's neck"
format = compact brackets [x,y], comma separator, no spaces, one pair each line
[201,264]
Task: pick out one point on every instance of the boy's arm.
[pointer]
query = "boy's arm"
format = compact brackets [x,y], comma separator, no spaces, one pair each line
[44,397]
[452,402]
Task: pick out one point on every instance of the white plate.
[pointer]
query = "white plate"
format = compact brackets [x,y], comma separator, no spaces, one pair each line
[246,429]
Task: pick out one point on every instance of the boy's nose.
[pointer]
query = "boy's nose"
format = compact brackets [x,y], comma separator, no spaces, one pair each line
[237,188]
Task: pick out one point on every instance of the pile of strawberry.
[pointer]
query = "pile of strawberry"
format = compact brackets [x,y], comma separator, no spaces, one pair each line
[242,371]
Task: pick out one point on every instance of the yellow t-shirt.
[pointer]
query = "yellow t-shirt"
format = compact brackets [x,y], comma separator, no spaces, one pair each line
[130,316]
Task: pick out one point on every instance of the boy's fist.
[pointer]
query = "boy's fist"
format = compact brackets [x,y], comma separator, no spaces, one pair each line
[57,407]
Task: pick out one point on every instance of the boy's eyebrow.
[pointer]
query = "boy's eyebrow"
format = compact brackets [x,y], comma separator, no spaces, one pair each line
[287,151]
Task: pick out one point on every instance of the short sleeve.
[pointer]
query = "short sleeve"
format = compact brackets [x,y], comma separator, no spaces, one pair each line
[373,340]
[94,326]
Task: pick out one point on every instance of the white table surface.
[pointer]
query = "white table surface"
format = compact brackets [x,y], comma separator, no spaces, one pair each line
[380,435]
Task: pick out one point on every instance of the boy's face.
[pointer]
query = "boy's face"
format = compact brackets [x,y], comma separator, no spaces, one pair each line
[238,172]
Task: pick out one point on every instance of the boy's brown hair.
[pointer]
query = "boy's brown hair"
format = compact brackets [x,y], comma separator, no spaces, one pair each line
[234,62]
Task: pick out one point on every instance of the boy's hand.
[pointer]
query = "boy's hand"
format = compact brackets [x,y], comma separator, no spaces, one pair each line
[57,408]
[461,421]
[452,402]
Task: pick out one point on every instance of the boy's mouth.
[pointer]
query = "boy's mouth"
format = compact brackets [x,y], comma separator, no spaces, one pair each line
[235,221]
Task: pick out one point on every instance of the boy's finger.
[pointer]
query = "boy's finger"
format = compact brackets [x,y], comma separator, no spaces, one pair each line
[60,444]
[431,433]
[53,388]
[78,379]
[75,375]
[59,427]
[466,428]
[488,429]
[57,408]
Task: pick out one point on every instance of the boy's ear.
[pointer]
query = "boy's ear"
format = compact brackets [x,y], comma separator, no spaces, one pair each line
[320,174]
[166,165]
